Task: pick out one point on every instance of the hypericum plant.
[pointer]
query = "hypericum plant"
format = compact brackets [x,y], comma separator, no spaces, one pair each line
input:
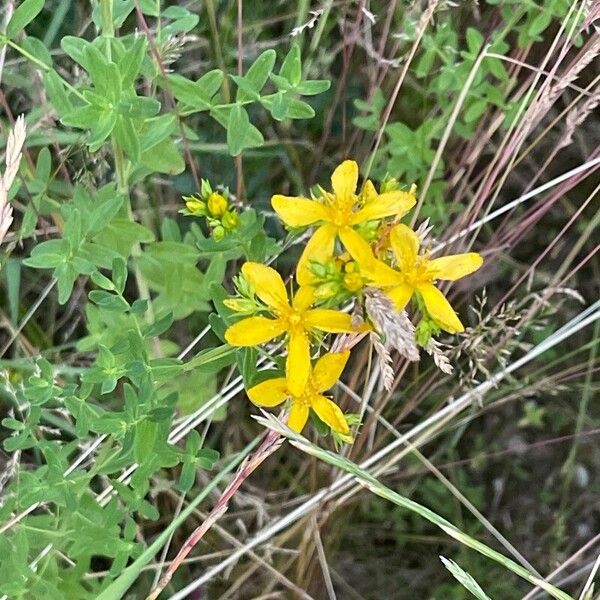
[376,258]
[357,273]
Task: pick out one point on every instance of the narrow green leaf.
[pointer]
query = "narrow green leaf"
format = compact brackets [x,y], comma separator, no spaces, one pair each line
[257,75]
[12,272]
[312,87]
[291,69]
[26,12]
[364,478]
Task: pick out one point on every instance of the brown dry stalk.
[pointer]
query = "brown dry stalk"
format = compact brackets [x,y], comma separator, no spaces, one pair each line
[270,444]
[12,159]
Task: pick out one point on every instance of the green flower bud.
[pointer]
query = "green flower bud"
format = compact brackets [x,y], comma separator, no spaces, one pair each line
[326,291]
[230,220]
[218,233]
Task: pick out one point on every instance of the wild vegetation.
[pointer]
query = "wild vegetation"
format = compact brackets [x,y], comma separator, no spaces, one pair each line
[299,300]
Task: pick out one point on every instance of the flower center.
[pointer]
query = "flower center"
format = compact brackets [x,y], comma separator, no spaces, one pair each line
[295,320]
[419,272]
[303,400]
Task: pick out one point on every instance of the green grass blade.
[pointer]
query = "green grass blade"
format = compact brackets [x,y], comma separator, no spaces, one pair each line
[118,588]
[375,486]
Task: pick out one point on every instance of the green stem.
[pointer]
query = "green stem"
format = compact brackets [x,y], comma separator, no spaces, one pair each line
[122,172]
[44,67]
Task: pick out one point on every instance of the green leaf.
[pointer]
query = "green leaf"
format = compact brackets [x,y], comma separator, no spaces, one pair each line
[75,47]
[540,23]
[118,588]
[131,61]
[127,137]
[56,93]
[277,104]
[164,157]
[297,109]
[48,255]
[145,439]
[312,87]
[37,48]
[212,360]
[108,301]
[194,94]
[257,75]
[159,326]
[26,12]
[474,40]
[291,69]
[12,273]
[475,110]
[102,281]
[119,274]
[237,130]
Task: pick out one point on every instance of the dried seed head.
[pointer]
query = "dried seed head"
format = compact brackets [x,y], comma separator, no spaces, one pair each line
[397,330]
[440,359]
[385,361]
[14,145]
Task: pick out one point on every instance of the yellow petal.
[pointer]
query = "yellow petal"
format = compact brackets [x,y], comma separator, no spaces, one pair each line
[297,365]
[345,179]
[328,369]
[400,295]
[270,392]
[267,284]
[329,320]
[385,205]
[405,244]
[368,192]
[305,296]
[329,413]
[253,331]
[298,416]
[454,267]
[358,248]
[439,308]
[298,212]
[320,249]
[376,271]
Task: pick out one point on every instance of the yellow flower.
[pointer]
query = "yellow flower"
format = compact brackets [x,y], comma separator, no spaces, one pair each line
[417,274]
[217,205]
[296,319]
[326,372]
[337,213]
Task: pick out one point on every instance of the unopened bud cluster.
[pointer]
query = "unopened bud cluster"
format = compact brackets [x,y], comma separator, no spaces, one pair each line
[215,207]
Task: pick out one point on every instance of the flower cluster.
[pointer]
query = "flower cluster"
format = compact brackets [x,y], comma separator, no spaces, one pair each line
[359,256]
[215,207]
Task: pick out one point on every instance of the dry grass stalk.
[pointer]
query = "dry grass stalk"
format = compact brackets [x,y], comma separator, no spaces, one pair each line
[12,159]
[271,443]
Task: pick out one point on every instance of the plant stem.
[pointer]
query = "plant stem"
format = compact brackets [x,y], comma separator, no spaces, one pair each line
[271,443]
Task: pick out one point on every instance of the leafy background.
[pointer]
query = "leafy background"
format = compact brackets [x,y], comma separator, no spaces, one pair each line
[122,412]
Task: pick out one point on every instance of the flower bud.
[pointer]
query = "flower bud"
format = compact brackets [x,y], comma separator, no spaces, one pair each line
[353,282]
[196,207]
[326,290]
[230,220]
[241,305]
[217,204]
[218,233]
